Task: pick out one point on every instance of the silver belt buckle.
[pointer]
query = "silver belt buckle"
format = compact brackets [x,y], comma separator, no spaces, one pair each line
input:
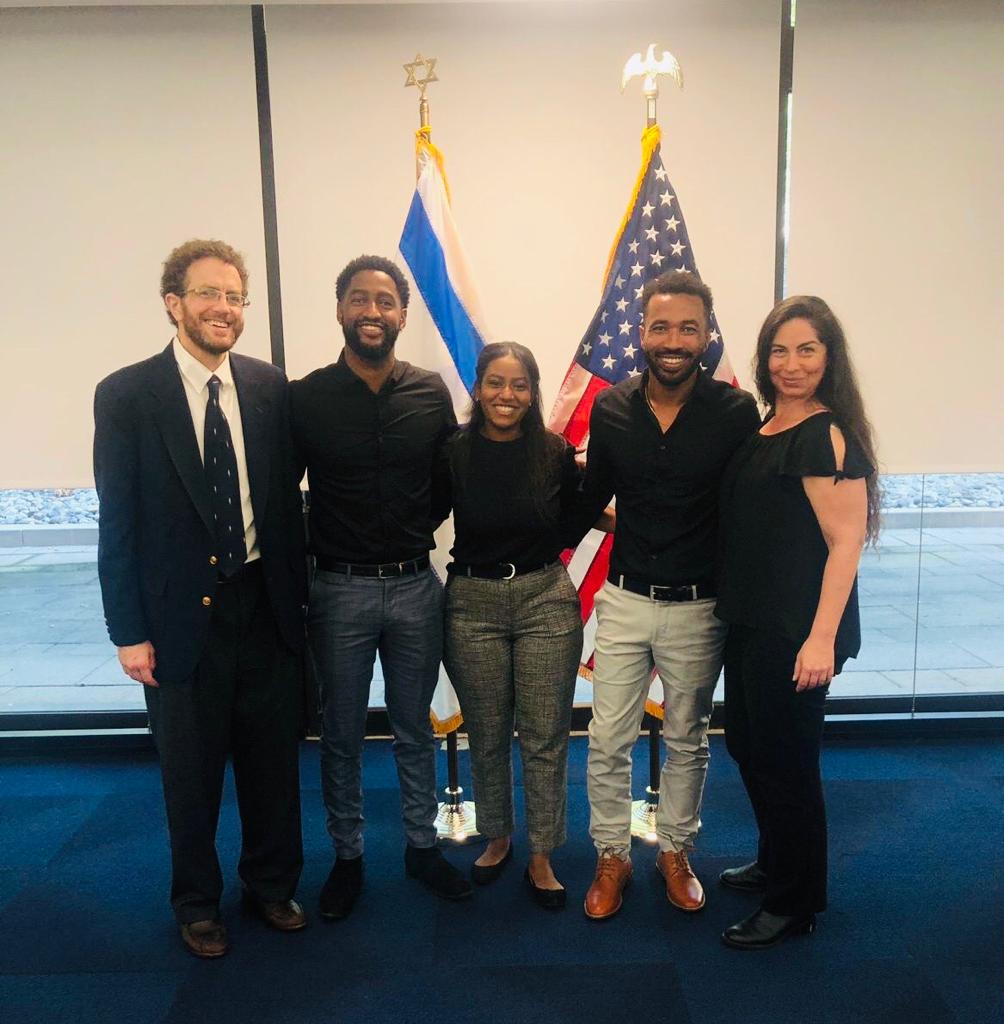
[512,570]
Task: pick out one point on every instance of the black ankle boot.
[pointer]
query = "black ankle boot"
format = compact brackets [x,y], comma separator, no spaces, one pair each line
[749,878]
[340,892]
[762,930]
[428,865]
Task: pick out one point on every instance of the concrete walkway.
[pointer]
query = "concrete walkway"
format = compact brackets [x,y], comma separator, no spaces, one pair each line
[55,654]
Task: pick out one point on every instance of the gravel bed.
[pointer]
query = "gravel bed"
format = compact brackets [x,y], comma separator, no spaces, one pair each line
[76,506]
[944,490]
[65,506]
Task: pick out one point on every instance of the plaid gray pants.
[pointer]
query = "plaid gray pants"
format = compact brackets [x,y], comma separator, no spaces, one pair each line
[512,650]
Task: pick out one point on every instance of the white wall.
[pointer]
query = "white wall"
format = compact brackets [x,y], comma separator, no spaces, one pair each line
[125,132]
[897,215]
[131,129]
[542,152]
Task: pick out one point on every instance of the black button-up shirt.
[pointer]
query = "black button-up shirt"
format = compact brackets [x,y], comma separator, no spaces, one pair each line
[377,464]
[666,483]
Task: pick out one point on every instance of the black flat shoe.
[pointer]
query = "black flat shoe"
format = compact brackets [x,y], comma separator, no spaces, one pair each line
[485,874]
[762,930]
[549,899]
[748,878]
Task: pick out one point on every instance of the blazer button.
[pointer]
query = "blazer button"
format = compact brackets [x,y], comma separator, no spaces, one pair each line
[213,559]
[207,601]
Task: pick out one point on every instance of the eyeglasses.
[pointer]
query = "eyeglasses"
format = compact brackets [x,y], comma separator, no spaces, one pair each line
[234,299]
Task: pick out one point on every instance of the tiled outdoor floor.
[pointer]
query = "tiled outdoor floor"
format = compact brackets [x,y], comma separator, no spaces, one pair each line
[55,654]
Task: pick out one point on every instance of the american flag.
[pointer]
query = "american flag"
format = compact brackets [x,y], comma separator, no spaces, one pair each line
[652,239]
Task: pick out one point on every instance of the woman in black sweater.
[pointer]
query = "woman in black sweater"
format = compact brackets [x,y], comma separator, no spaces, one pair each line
[513,634]
[799,500]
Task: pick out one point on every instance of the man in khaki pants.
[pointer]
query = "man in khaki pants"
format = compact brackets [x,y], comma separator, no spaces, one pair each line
[659,442]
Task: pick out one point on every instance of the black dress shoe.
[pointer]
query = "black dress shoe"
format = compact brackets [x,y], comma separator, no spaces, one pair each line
[549,899]
[428,865]
[763,930]
[341,890]
[485,874]
[749,878]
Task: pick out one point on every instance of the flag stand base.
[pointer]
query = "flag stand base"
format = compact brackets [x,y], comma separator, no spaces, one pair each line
[643,816]
[456,821]
[643,811]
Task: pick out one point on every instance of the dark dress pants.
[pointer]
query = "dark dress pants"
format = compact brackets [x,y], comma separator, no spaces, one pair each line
[773,733]
[350,619]
[243,701]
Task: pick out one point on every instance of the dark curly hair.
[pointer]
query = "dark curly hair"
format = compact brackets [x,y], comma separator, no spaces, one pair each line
[360,263]
[838,390]
[678,282]
[172,278]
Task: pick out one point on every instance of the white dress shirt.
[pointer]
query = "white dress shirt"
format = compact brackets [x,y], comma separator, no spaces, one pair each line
[195,377]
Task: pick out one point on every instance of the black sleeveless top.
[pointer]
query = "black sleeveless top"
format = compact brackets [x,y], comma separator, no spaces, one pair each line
[772,552]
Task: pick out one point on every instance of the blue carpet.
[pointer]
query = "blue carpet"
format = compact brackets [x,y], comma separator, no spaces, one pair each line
[914,932]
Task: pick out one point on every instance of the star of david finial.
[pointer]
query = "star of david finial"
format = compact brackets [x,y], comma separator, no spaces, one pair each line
[421,71]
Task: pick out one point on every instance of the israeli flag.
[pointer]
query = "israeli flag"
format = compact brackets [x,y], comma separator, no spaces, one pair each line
[446,336]
[431,247]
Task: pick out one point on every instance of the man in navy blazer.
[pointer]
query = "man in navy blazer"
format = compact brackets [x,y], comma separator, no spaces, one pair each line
[209,621]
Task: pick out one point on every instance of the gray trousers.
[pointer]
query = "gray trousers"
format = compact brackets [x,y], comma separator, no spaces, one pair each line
[684,642]
[512,650]
[348,621]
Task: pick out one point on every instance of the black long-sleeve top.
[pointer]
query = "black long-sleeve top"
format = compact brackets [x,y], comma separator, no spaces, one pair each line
[496,518]
[666,483]
[377,463]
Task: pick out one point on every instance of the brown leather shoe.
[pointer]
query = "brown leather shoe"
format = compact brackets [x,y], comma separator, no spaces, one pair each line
[206,939]
[606,894]
[283,915]
[683,888]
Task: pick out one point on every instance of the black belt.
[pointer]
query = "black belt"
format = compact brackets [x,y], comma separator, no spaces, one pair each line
[495,570]
[249,570]
[688,592]
[383,571]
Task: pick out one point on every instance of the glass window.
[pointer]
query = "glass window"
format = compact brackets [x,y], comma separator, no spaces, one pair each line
[887,594]
[960,645]
[55,654]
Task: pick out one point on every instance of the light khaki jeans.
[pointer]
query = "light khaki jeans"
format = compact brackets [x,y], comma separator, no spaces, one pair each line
[683,642]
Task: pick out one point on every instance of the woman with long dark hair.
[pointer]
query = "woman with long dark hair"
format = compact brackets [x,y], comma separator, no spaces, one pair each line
[799,501]
[513,634]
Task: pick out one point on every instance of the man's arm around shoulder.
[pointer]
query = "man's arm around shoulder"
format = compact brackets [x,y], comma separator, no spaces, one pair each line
[442,490]
[747,412]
